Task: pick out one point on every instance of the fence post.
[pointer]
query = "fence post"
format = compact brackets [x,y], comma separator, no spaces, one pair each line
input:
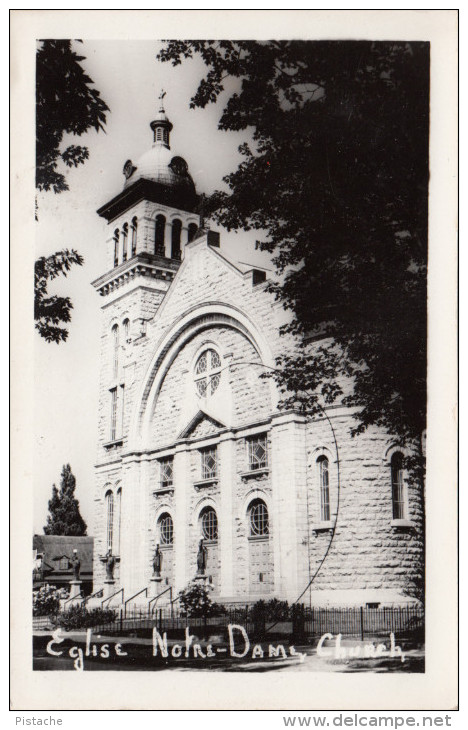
[362,623]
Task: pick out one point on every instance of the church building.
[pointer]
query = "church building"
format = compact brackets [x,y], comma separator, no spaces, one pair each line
[191,443]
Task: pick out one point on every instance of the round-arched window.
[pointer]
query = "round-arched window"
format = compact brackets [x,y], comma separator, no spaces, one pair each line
[259,523]
[207,373]
[166,529]
[209,524]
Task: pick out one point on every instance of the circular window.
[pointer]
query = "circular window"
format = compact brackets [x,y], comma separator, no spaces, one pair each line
[207,373]
[259,524]
[166,529]
[209,524]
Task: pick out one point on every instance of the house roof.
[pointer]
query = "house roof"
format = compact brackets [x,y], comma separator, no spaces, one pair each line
[55,547]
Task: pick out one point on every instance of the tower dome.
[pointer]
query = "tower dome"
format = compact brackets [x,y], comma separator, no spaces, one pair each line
[160,165]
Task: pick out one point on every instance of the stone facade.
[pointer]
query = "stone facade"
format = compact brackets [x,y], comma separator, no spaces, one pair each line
[280,520]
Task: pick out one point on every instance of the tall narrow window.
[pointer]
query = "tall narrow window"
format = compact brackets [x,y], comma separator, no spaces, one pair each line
[259,522]
[134,235]
[324,484]
[175,239]
[110,520]
[166,471]
[398,488]
[113,424]
[116,248]
[208,463]
[166,529]
[126,326]
[209,524]
[159,235]
[258,452]
[115,350]
[119,520]
[192,229]
[120,426]
[124,241]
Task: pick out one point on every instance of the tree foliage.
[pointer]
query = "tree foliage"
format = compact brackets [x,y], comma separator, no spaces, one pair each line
[336,184]
[64,516]
[50,311]
[66,103]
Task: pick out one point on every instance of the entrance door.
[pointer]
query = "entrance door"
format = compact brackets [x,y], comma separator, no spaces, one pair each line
[260,566]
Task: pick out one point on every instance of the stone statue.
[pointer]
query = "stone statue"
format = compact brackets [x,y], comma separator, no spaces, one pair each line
[157,562]
[201,558]
[76,565]
[110,563]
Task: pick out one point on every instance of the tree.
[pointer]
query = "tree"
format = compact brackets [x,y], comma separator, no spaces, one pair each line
[64,516]
[336,182]
[66,103]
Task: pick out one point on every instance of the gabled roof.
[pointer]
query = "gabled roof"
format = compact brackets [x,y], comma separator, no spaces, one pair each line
[55,547]
[201,419]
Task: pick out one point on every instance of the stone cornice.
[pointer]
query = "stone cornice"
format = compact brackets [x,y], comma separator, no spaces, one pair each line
[144,265]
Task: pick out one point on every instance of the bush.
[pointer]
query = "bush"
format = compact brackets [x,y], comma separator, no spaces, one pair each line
[78,617]
[46,601]
[272,610]
[195,602]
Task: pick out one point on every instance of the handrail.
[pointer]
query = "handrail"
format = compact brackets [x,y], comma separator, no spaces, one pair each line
[92,595]
[121,590]
[72,598]
[143,590]
[156,598]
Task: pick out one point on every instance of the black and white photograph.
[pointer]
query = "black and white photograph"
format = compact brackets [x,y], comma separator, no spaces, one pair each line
[233,262]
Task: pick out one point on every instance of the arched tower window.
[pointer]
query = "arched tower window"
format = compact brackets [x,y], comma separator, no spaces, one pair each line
[192,229]
[209,524]
[166,529]
[116,248]
[126,326]
[124,241]
[134,235]
[398,487]
[324,486]
[175,239]
[207,373]
[115,350]
[258,518]
[110,520]
[160,230]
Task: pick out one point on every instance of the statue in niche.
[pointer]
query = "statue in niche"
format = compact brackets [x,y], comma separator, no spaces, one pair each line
[201,558]
[110,564]
[157,562]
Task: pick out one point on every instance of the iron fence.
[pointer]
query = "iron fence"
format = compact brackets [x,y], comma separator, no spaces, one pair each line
[299,621]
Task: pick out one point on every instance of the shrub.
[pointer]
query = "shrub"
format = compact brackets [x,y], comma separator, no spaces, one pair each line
[195,602]
[273,610]
[46,601]
[78,617]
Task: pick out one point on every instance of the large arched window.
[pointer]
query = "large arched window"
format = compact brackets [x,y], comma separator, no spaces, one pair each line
[324,487]
[175,238]
[166,529]
[115,350]
[134,235]
[258,519]
[116,247]
[124,241]
[192,229]
[159,235]
[110,520]
[209,524]
[398,487]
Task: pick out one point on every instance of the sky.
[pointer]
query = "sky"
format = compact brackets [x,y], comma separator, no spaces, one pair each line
[66,376]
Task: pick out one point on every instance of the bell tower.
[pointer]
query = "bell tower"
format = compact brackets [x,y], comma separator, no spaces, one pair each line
[149,222]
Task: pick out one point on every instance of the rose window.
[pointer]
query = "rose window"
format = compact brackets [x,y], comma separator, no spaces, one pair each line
[207,373]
